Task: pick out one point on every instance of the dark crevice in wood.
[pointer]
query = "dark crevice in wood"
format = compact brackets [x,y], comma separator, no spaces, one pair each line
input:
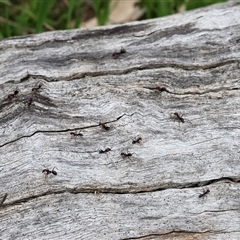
[171,31]
[181,66]
[23,99]
[151,236]
[164,89]
[203,92]
[174,234]
[221,210]
[26,199]
[121,190]
[150,66]
[65,130]
[28,76]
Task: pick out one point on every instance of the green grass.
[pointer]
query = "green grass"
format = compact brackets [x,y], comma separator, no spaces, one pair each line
[160,8]
[21,17]
[192,4]
[101,9]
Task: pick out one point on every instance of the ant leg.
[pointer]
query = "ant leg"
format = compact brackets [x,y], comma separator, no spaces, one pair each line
[45,177]
[189,121]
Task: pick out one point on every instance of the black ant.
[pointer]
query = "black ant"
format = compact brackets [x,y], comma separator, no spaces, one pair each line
[47,171]
[35,89]
[117,54]
[124,155]
[76,134]
[105,151]
[122,50]
[180,118]
[104,126]
[30,102]
[160,89]
[10,96]
[138,140]
[205,192]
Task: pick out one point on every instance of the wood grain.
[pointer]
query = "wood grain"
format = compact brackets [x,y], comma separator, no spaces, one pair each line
[154,194]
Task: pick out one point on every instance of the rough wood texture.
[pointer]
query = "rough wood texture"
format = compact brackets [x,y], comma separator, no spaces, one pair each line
[153,194]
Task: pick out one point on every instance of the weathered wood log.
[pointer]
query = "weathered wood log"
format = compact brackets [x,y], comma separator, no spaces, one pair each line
[57,85]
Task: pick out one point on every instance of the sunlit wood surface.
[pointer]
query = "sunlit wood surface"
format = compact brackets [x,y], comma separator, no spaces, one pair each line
[58,84]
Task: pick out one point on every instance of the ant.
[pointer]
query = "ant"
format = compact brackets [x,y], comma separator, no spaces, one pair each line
[30,102]
[122,50]
[205,192]
[76,134]
[105,151]
[35,89]
[138,140]
[47,171]
[160,89]
[10,96]
[124,155]
[180,118]
[104,126]
[117,54]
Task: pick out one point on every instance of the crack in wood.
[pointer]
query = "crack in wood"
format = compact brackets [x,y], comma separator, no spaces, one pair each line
[3,199]
[148,66]
[66,130]
[116,190]
[174,234]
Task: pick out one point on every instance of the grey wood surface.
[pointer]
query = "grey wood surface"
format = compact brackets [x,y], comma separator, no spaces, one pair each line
[186,63]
